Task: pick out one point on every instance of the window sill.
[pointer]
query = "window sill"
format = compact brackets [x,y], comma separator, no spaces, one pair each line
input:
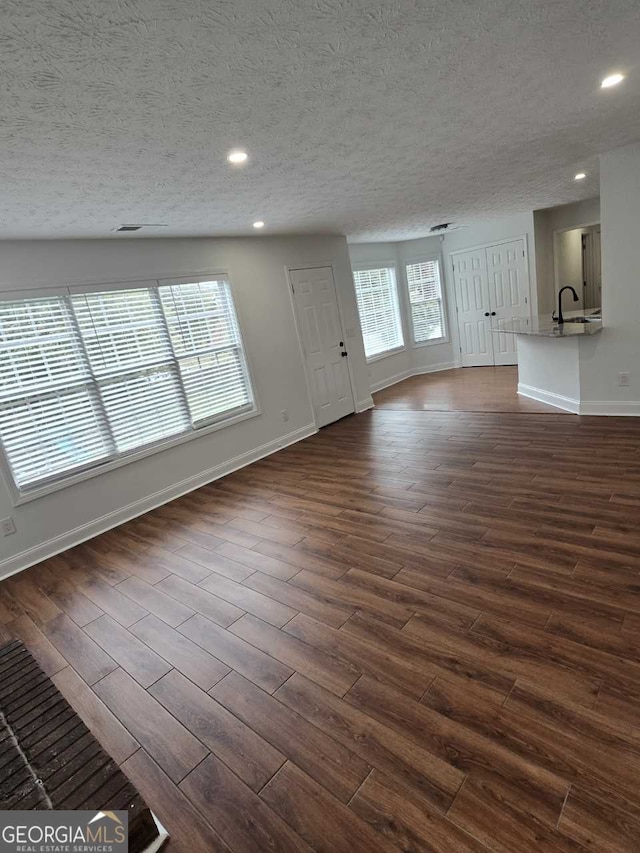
[434,343]
[387,354]
[20,498]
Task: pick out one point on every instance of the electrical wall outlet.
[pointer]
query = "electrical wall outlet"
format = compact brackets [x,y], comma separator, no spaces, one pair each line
[285,415]
[623,378]
[7,526]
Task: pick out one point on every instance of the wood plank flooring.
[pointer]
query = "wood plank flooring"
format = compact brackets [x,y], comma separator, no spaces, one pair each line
[416,631]
[473,389]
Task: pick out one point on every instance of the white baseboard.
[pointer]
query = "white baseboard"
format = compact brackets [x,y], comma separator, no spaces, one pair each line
[412,371]
[612,408]
[363,405]
[605,408]
[435,368]
[43,551]
[390,380]
[568,404]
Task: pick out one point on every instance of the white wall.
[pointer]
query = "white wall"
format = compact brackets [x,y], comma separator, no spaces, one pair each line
[490,231]
[546,222]
[412,359]
[618,347]
[257,267]
[549,370]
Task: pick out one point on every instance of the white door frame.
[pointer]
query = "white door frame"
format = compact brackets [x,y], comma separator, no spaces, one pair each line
[451,276]
[294,308]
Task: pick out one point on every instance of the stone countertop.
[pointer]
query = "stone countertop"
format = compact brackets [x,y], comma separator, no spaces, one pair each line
[543,326]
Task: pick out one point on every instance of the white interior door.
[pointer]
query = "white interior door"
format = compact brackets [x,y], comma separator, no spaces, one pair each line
[473,308]
[323,343]
[508,278]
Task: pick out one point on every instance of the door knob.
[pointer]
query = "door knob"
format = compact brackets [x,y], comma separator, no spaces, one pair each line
[344,354]
[486,313]
[341,344]
[493,313]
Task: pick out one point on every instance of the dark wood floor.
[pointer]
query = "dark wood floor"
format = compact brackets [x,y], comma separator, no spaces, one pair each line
[470,389]
[414,631]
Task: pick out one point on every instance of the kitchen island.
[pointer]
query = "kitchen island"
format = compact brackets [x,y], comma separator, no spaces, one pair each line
[549,356]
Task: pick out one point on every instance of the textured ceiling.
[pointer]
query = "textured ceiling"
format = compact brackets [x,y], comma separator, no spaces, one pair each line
[371,118]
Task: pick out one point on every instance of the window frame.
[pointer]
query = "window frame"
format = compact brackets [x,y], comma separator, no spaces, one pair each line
[420,259]
[95,469]
[379,265]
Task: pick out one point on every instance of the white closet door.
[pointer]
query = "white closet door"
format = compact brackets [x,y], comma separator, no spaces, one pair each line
[323,343]
[474,308]
[508,295]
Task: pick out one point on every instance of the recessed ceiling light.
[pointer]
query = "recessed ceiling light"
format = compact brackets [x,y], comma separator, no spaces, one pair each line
[237,157]
[580,176]
[258,224]
[611,80]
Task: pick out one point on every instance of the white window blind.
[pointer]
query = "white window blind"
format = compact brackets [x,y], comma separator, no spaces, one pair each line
[377,297]
[425,301]
[86,378]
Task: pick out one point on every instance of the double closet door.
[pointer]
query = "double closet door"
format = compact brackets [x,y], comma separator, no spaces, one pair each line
[492,289]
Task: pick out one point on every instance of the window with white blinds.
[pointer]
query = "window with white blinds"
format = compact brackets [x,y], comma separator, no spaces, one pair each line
[425,301]
[88,377]
[377,297]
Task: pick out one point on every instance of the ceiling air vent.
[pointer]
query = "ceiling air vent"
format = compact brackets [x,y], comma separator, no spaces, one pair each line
[446,227]
[138,227]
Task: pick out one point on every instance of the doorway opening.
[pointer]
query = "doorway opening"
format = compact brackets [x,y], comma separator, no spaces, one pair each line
[576,262]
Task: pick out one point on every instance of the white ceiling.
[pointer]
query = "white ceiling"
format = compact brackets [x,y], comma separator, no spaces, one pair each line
[372,118]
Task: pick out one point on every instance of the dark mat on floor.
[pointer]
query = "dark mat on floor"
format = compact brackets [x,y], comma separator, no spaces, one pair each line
[48,757]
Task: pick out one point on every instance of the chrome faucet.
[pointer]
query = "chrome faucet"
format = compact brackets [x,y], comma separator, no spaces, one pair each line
[560,318]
